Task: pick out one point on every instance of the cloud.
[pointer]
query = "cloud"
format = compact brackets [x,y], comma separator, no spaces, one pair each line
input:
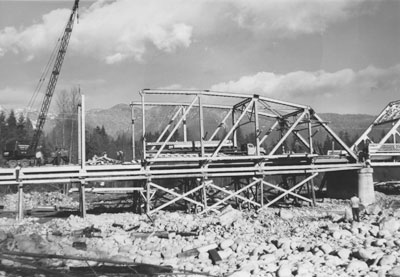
[338,91]
[284,18]
[12,97]
[298,83]
[124,29]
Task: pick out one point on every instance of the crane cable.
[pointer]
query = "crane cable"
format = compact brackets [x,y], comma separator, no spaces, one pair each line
[43,76]
[45,72]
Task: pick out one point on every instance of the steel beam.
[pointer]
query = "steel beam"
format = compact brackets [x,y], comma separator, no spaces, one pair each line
[287,133]
[348,150]
[232,129]
[291,190]
[169,124]
[282,189]
[175,128]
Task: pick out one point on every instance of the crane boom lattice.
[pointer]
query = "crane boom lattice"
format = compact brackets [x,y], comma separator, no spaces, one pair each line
[53,78]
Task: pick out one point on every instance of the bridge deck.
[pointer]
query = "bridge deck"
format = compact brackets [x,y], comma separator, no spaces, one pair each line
[175,168]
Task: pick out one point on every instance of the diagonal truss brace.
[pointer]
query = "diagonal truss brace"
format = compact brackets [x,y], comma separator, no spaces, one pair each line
[282,189]
[338,140]
[290,191]
[282,140]
[392,131]
[220,125]
[231,195]
[235,125]
[168,126]
[176,127]
[183,196]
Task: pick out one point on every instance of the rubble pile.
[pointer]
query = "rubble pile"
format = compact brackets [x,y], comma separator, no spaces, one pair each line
[279,242]
[35,199]
[101,160]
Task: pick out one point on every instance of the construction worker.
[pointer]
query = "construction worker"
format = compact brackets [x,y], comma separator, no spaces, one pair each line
[64,156]
[120,156]
[39,157]
[355,207]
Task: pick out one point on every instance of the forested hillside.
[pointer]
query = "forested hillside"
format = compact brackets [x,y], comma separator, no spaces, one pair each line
[109,130]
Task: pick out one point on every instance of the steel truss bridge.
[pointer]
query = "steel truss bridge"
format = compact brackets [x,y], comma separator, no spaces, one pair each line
[195,170]
[383,150]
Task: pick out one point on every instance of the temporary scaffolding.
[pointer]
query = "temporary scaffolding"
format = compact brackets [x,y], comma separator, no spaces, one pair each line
[206,173]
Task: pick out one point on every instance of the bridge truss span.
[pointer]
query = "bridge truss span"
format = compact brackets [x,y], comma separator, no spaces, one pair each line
[379,144]
[236,140]
[212,149]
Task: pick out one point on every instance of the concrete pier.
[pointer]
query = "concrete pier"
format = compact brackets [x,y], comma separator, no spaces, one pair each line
[366,190]
[343,184]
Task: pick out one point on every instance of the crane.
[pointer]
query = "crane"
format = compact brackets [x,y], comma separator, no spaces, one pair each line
[27,152]
[53,79]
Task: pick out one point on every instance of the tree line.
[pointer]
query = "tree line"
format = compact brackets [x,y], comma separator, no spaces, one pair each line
[65,134]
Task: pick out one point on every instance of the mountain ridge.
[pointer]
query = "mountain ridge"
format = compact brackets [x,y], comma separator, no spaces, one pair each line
[117,119]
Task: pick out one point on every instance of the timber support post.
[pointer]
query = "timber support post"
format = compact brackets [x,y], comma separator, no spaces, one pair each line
[20,215]
[82,199]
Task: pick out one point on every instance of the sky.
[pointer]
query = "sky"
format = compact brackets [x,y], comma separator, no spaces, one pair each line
[340,56]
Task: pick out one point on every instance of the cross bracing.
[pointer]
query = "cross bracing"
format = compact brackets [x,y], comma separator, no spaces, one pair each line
[184,170]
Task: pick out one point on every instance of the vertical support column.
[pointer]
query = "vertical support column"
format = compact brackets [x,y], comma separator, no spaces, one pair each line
[314,202]
[20,201]
[257,126]
[184,124]
[236,187]
[83,135]
[366,191]
[143,129]
[133,132]
[201,126]
[234,134]
[82,199]
[82,195]
[20,206]
[80,134]
[310,141]
[262,192]
[148,185]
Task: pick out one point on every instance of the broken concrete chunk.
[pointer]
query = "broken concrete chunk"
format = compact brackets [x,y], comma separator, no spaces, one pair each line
[214,256]
[81,245]
[206,248]
[226,244]
[390,224]
[286,214]
[228,216]
[356,266]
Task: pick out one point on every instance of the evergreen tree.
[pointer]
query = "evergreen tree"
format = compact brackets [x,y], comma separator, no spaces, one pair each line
[21,132]
[2,129]
[346,138]
[11,129]
[327,144]
[97,142]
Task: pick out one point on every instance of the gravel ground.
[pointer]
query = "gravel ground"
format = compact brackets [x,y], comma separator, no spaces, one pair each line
[304,241]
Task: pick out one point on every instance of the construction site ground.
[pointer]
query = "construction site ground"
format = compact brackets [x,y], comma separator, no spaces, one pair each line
[52,240]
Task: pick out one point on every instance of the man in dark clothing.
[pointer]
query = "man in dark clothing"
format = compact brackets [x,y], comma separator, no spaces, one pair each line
[355,207]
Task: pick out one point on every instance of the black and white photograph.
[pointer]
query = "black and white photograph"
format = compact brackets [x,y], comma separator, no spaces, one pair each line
[224,138]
